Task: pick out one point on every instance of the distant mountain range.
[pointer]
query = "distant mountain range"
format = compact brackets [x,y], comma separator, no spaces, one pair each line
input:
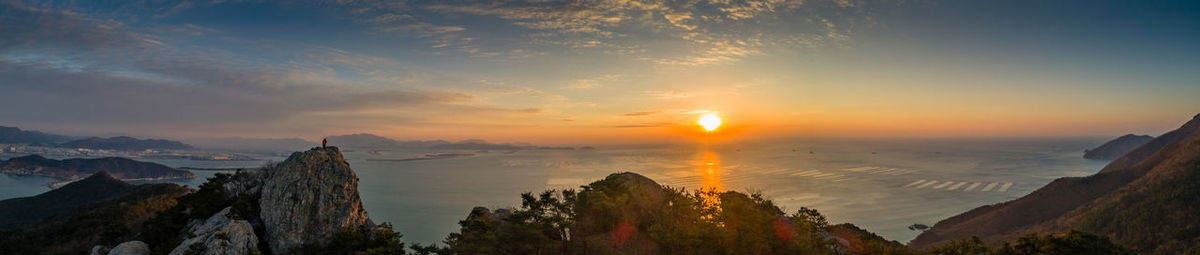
[365,140]
[1117,147]
[12,135]
[125,143]
[253,145]
[121,168]
[1147,200]
[16,135]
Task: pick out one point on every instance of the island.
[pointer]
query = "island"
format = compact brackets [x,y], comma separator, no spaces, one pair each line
[79,168]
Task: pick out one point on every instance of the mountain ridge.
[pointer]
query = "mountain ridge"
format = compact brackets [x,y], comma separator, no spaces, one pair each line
[1045,209]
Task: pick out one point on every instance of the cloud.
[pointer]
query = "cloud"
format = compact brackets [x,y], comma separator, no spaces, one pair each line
[641,113]
[68,69]
[644,125]
[424,29]
[685,33]
[594,82]
[667,95]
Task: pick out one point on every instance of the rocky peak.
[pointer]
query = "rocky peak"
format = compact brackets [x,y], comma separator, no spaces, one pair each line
[308,198]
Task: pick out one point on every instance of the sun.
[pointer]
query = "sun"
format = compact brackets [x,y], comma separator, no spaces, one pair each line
[710,121]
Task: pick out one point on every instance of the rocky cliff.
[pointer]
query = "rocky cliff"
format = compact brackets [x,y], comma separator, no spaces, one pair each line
[1117,147]
[309,198]
[1152,188]
[219,235]
[302,202]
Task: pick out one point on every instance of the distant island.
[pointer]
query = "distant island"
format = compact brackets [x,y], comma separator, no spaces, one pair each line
[1117,147]
[78,168]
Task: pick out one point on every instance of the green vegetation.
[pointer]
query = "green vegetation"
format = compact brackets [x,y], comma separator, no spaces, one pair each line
[629,214]
[381,240]
[107,225]
[168,229]
[1074,242]
[1142,218]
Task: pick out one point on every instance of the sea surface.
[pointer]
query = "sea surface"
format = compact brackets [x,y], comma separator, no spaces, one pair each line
[883,186]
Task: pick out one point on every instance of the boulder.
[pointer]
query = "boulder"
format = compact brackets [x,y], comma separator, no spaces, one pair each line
[130,248]
[219,235]
[309,198]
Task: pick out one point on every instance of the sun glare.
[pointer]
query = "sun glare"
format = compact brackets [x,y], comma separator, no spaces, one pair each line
[710,121]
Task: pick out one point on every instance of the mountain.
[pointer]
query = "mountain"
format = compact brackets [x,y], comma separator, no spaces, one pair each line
[125,143]
[1147,199]
[361,140]
[94,191]
[16,135]
[121,168]
[253,145]
[374,141]
[1117,147]
[71,219]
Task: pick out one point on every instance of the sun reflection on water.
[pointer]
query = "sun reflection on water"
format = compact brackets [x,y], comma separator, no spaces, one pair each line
[709,169]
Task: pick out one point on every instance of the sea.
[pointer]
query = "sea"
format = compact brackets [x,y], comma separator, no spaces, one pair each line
[882,185]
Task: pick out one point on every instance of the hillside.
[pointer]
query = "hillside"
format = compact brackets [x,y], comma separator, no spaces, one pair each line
[627,213]
[1117,147]
[16,135]
[120,168]
[98,190]
[125,143]
[1144,184]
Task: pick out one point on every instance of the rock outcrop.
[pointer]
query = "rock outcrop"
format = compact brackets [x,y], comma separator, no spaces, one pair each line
[309,198]
[130,248]
[1117,147]
[220,235]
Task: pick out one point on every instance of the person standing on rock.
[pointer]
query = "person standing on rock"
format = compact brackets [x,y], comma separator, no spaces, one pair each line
[323,143]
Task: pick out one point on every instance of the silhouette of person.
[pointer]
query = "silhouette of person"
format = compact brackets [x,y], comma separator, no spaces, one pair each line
[323,143]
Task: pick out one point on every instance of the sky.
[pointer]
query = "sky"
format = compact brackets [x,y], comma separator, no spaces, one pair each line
[618,71]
